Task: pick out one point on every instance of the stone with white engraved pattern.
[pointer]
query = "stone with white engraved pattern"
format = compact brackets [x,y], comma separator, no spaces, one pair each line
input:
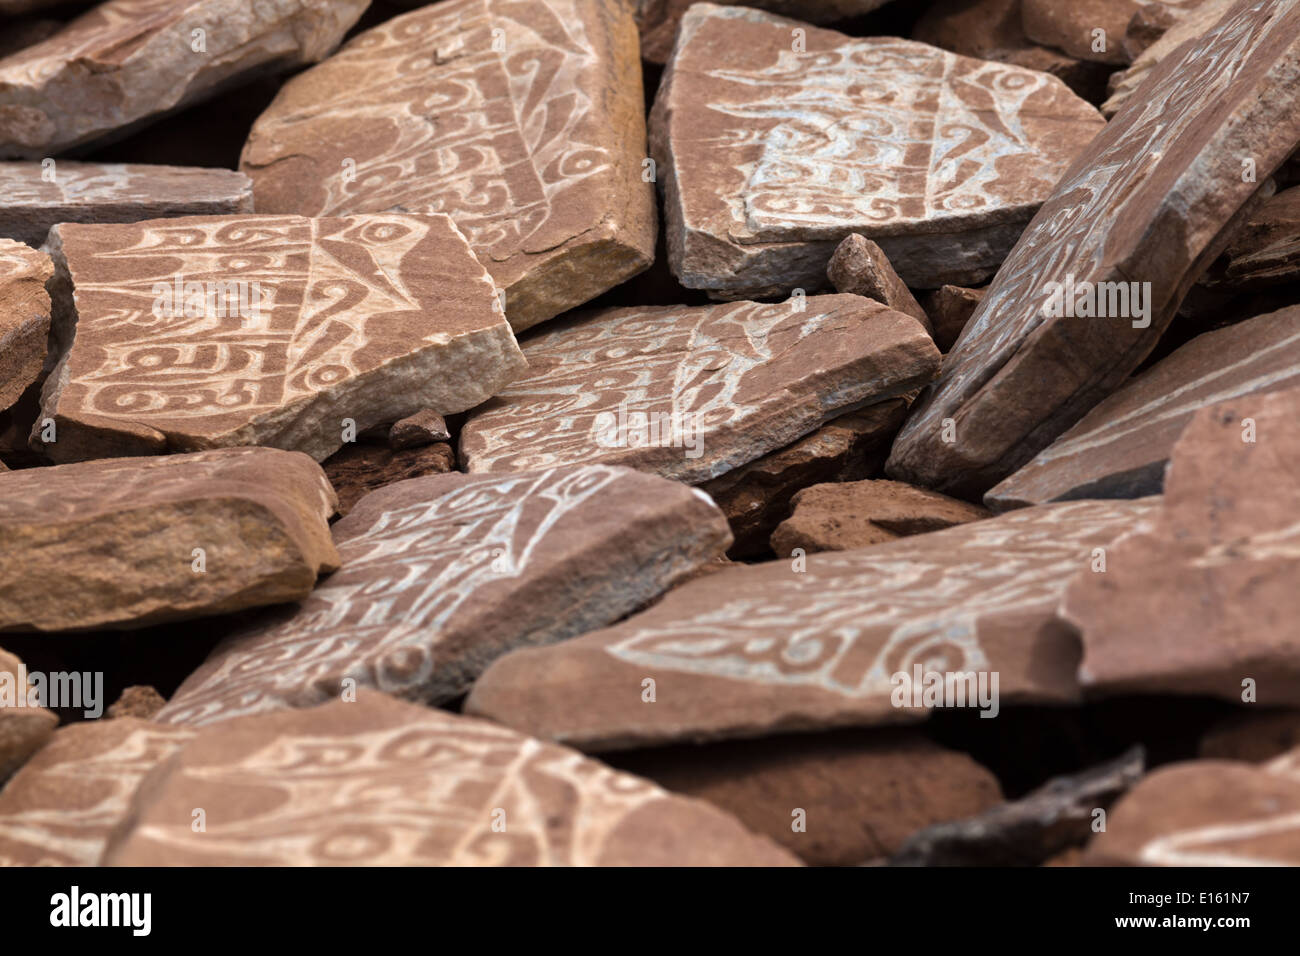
[443,574]
[694,392]
[211,331]
[1100,272]
[815,642]
[770,156]
[522,121]
[1194,24]
[381,782]
[38,195]
[125,62]
[24,318]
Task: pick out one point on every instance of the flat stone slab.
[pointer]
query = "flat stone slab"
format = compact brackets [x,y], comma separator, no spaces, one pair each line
[1121,447]
[211,331]
[443,574]
[38,195]
[24,317]
[1072,27]
[1206,813]
[25,726]
[769,157]
[522,121]
[770,648]
[384,783]
[1201,599]
[135,541]
[1197,21]
[59,809]
[1266,250]
[141,56]
[691,392]
[1136,220]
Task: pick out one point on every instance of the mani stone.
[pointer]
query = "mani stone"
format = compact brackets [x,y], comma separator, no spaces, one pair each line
[441,575]
[856,514]
[59,809]
[1136,219]
[692,392]
[1266,250]
[1207,813]
[25,726]
[861,792]
[210,331]
[524,122]
[24,318]
[1121,447]
[133,541]
[357,469]
[38,195]
[382,782]
[860,267]
[1195,24]
[770,157]
[814,643]
[1201,599]
[950,308]
[126,62]
[1087,29]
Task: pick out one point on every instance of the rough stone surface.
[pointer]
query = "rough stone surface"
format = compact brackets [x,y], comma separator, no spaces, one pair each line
[1254,736]
[693,392]
[1072,26]
[59,809]
[1206,813]
[38,196]
[141,57]
[860,267]
[950,308]
[24,318]
[855,514]
[756,497]
[25,726]
[112,543]
[441,575]
[1152,20]
[421,787]
[357,469]
[1144,204]
[425,427]
[137,701]
[1202,596]
[1120,448]
[1193,26]
[1032,830]
[522,121]
[770,648]
[770,158]
[1266,250]
[362,319]
[862,792]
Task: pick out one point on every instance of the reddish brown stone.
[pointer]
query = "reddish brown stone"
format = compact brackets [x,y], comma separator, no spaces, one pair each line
[1197,22]
[1266,249]
[860,267]
[25,726]
[950,308]
[425,427]
[357,468]
[137,701]
[1254,736]
[24,318]
[1074,27]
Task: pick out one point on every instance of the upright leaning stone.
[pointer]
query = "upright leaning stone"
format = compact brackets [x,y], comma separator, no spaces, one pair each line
[522,121]
[24,317]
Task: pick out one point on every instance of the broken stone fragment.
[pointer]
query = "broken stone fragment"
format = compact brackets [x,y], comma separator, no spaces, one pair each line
[950,308]
[423,428]
[135,541]
[1087,29]
[24,318]
[38,195]
[1197,22]
[137,701]
[1265,251]
[125,62]
[524,122]
[427,788]
[357,469]
[860,267]
[211,331]
[25,726]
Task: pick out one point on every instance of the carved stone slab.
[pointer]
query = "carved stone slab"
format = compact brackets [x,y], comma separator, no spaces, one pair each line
[382,782]
[39,195]
[522,121]
[1137,218]
[210,331]
[771,155]
[770,648]
[24,317]
[693,392]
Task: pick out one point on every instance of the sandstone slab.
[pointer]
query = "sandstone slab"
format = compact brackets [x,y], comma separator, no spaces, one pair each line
[24,318]
[856,514]
[125,62]
[524,122]
[59,809]
[1121,447]
[357,469]
[1195,24]
[1266,250]
[129,542]
[441,575]
[860,267]
[1201,598]
[1087,29]
[25,726]
[1099,273]
[794,646]
[382,782]
[1206,813]
[210,331]
[38,195]
[425,427]
[770,157]
[950,308]
[693,392]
